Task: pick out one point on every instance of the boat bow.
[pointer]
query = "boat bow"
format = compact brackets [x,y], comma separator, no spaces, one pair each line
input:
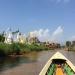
[56,56]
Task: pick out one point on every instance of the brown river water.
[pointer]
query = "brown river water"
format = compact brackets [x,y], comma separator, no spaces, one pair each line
[30,64]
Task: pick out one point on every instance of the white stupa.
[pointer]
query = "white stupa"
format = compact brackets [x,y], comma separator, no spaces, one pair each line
[21,38]
[8,37]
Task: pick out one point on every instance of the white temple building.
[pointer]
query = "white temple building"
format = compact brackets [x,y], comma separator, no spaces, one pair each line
[8,37]
[21,38]
[11,37]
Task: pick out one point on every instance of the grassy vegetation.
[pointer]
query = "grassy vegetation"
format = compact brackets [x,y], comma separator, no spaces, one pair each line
[17,48]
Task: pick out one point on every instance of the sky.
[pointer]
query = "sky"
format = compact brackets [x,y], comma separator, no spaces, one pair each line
[52,20]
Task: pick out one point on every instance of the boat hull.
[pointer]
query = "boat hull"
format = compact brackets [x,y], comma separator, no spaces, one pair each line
[58,62]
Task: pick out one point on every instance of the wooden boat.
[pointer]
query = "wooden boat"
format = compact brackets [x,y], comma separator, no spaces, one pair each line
[58,64]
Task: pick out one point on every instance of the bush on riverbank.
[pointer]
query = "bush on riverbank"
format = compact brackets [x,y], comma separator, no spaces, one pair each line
[17,48]
[32,47]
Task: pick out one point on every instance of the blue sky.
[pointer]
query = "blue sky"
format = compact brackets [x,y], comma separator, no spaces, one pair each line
[30,15]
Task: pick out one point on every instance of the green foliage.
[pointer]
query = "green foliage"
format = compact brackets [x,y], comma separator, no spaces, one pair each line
[18,48]
[2,38]
[15,48]
[36,47]
[8,49]
[4,49]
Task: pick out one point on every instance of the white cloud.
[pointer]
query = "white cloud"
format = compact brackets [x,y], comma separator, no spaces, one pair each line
[58,31]
[44,34]
[56,35]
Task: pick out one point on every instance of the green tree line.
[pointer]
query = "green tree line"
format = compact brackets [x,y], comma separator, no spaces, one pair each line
[18,48]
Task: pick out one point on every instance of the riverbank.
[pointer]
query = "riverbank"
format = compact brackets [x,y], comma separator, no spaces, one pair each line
[20,49]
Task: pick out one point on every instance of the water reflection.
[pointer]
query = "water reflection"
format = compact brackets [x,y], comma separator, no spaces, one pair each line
[10,62]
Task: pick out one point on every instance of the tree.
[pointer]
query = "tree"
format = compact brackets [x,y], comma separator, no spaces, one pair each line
[2,38]
[68,43]
[16,48]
